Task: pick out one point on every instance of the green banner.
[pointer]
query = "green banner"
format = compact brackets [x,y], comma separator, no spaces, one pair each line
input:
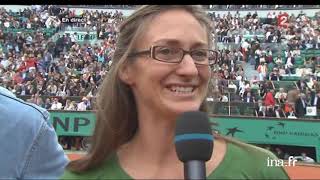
[73,123]
[270,131]
[250,130]
[81,34]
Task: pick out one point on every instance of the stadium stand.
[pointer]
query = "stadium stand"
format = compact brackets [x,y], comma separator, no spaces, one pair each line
[267,67]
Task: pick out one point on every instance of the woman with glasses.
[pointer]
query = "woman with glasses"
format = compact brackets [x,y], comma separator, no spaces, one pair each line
[160,69]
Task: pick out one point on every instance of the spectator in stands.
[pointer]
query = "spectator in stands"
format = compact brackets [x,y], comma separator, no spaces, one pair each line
[52,88]
[67,104]
[243,85]
[278,60]
[263,88]
[310,63]
[47,103]
[262,69]
[302,85]
[281,95]
[279,153]
[56,105]
[223,97]
[315,99]
[248,98]
[233,87]
[289,110]
[269,99]
[254,88]
[72,106]
[238,55]
[270,112]
[29,146]
[279,112]
[300,105]
[275,75]
[254,79]
[260,109]
[84,105]
[140,86]
[304,158]
[311,82]
[289,65]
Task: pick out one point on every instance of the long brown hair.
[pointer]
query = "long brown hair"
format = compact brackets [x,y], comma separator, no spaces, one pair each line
[116,115]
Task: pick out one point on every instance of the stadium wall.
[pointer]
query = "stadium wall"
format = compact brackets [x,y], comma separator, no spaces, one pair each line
[248,129]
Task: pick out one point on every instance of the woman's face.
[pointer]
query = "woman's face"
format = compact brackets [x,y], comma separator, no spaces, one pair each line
[169,88]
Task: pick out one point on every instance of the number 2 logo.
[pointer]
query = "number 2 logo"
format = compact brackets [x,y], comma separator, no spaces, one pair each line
[283,20]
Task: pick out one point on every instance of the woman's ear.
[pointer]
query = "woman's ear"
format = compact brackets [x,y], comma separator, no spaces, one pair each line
[125,74]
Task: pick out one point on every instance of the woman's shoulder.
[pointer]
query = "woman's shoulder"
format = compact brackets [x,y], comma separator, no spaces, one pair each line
[246,161]
[110,169]
[89,174]
[244,149]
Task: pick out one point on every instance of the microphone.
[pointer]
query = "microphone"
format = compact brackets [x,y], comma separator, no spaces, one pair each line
[194,143]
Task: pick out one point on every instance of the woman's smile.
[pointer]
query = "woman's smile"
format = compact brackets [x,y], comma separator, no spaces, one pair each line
[181,90]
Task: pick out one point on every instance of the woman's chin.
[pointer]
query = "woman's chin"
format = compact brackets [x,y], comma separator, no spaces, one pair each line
[179,109]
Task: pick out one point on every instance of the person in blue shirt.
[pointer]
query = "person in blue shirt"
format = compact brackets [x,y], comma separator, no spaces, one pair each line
[29,145]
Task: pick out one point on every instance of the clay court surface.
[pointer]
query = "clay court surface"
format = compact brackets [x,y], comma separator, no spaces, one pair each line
[300,171]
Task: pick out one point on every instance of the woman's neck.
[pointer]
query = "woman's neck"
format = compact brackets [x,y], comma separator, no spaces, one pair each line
[154,138]
[153,149]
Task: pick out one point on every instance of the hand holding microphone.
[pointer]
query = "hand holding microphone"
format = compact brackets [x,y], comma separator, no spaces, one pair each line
[194,143]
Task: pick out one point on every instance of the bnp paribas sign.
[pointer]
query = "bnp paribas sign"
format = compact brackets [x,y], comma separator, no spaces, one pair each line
[283,130]
[292,132]
[273,131]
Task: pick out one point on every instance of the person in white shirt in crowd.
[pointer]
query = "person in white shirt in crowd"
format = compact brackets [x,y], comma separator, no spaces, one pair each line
[242,87]
[239,75]
[237,39]
[304,158]
[56,105]
[61,91]
[6,24]
[5,63]
[232,86]
[245,48]
[281,95]
[260,109]
[83,105]
[223,98]
[289,64]
[287,52]
[74,38]
[296,52]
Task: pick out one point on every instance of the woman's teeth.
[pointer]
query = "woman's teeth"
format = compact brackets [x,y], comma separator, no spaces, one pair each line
[178,89]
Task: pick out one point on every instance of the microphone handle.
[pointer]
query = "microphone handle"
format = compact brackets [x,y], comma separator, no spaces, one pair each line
[194,169]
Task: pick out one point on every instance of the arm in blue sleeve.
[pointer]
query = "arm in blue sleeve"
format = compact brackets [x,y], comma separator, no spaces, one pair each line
[46,158]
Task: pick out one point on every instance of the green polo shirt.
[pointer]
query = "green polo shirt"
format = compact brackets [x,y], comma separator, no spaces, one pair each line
[240,162]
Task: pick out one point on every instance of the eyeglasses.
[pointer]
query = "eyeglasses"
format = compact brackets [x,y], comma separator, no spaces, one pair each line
[175,55]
